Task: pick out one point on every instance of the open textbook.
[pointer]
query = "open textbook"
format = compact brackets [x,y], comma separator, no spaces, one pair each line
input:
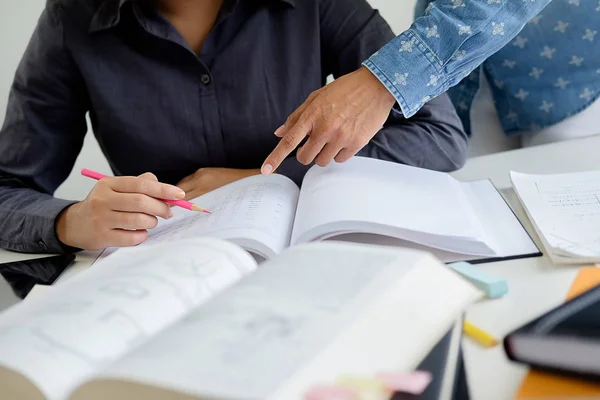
[362,200]
[197,319]
[565,211]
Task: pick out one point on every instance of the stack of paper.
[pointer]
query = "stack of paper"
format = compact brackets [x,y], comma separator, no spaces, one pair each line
[565,211]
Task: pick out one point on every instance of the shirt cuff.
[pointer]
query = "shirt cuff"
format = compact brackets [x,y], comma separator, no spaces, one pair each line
[410,71]
[291,168]
[37,231]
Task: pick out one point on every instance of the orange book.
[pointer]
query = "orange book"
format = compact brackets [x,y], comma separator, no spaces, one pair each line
[539,385]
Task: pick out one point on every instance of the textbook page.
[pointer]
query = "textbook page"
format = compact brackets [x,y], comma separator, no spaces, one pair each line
[63,336]
[256,213]
[259,331]
[258,334]
[565,209]
[372,196]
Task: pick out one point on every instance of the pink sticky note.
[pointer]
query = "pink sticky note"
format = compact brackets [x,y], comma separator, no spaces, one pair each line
[407,382]
[330,393]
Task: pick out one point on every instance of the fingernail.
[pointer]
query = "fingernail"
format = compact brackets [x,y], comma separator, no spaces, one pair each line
[279,130]
[267,169]
[180,194]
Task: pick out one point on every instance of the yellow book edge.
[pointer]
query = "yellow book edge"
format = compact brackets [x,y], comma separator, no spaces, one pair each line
[538,384]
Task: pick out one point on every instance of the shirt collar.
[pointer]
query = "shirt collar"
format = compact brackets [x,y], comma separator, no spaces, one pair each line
[108,13]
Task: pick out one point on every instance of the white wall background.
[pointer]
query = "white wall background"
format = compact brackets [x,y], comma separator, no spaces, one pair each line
[17,21]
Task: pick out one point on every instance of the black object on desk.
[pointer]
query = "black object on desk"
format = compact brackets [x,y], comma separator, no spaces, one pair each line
[22,276]
[445,363]
[564,340]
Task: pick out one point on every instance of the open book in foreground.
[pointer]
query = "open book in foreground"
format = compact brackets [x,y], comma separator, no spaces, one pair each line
[197,319]
[362,200]
[565,211]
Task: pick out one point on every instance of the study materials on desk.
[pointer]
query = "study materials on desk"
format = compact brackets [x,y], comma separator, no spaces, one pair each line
[362,200]
[479,335]
[446,365]
[440,376]
[493,286]
[25,275]
[565,339]
[539,384]
[199,318]
[565,211]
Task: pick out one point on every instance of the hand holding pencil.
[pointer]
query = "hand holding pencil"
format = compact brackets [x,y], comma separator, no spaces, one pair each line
[118,212]
[179,203]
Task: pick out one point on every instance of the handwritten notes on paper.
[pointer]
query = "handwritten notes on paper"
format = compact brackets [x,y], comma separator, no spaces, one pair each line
[565,208]
[260,208]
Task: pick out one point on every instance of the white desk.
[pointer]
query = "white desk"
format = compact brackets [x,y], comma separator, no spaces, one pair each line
[535,284]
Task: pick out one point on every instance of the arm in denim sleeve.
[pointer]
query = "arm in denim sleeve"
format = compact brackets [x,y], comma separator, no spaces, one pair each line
[442,47]
[434,138]
[41,137]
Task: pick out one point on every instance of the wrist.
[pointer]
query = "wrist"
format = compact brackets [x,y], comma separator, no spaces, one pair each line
[64,223]
[381,92]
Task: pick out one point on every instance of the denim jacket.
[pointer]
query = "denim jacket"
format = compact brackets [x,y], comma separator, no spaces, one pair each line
[447,43]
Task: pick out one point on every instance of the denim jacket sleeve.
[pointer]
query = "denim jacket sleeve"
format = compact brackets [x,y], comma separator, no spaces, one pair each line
[444,45]
[434,138]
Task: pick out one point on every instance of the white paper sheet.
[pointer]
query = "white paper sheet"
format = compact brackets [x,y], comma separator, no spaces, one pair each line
[429,207]
[565,209]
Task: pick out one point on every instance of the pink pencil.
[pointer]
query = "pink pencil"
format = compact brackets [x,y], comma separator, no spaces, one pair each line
[180,203]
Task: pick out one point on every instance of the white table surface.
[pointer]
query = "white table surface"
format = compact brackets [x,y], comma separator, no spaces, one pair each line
[535,285]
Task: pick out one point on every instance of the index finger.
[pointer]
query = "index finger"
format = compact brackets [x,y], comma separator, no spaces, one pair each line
[149,187]
[286,145]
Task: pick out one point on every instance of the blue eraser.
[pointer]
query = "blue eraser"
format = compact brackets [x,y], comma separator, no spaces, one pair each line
[492,286]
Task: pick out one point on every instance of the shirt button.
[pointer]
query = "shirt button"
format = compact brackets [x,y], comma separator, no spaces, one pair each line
[42,245]
[205,79]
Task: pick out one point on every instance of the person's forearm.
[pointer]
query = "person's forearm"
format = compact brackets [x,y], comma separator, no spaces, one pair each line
[445,45]
[27,219]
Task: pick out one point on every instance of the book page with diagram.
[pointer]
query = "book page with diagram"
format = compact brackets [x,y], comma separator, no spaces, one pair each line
[62,337]
[255,336]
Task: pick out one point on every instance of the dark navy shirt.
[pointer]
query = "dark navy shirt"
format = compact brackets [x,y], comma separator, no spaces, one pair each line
[157,106]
